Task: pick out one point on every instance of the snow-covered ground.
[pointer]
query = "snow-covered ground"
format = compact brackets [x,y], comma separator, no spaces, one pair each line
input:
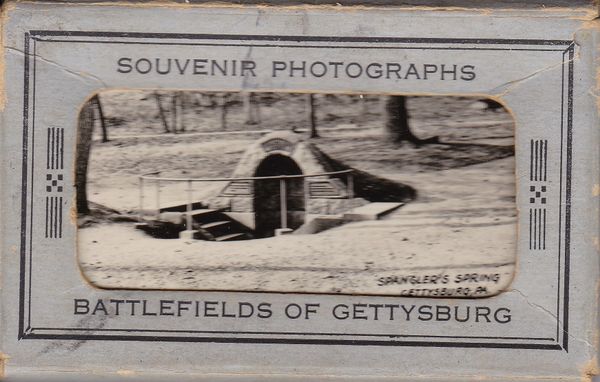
[458,236]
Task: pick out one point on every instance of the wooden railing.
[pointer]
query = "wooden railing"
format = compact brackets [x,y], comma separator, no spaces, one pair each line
[155,176]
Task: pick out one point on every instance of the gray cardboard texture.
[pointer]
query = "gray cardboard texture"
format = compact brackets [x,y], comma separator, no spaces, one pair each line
[523,305]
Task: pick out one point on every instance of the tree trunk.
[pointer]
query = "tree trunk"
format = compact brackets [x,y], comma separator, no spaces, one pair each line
[177,108]
[96,100]
[310,114]
[223,110]
[251,109]
[397,125]
[174,112]
[364,108]
[161,112]
[183,104]
[85,129]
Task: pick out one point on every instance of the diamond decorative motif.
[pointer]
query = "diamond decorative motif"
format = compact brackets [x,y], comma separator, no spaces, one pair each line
[538,194]
[54,184]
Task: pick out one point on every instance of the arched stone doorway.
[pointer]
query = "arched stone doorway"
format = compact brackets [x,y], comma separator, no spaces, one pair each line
[268,201]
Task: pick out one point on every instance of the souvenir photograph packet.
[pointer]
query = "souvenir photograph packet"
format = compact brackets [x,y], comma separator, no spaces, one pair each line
[366,191]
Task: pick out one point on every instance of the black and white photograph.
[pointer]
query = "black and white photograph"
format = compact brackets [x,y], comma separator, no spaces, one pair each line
[296,192]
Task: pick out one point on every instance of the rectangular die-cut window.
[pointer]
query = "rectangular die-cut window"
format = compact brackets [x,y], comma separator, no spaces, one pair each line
[309,193]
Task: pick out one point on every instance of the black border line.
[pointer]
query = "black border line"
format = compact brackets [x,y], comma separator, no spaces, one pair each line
[560,191]
[292,341]
[288,38]
[24,184]
[34,35]
[289,46]
[32,179]
[569,163]
[329,334]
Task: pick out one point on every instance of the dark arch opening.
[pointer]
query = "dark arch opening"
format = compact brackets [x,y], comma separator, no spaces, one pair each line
[267,195]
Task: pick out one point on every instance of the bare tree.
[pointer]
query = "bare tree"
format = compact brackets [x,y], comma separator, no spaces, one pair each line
[223,108]
[96,101]
[364,108]
[85,129]
[175,112]
[161,112]
[251,108]
[183,106]
[310,114]
[174,100]
[397,125]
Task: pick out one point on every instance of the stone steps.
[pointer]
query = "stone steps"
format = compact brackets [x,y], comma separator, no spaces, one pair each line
[215,224]
[371,211]
[231,236]
[182,207]
[207,224]
[200,213]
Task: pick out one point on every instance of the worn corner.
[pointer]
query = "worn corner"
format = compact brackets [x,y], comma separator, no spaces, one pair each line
[590,370]
[3,359]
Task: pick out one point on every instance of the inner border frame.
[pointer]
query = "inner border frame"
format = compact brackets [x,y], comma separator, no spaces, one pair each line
[26,331]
